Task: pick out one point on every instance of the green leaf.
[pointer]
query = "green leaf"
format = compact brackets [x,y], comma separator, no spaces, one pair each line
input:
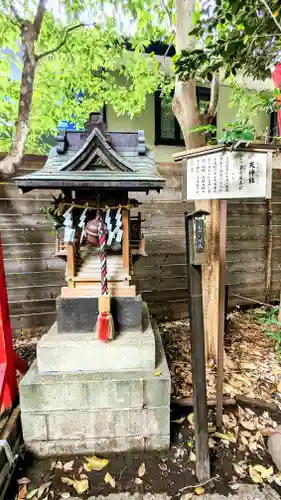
[32,493]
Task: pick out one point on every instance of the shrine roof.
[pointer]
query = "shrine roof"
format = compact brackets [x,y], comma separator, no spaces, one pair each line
[97,159]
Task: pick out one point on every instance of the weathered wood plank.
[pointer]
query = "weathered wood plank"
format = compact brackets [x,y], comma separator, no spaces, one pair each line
[33,264]
[32,306]
[33,292]
[27,235]
[42,321]
[35,278]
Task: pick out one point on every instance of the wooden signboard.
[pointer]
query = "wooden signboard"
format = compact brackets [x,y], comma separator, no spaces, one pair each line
[224,174]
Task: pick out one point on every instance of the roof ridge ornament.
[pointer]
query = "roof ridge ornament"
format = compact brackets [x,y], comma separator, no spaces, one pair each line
[62,142]
[141,143]
[96,120]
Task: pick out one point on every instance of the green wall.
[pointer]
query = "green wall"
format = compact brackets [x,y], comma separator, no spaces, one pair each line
[146,122]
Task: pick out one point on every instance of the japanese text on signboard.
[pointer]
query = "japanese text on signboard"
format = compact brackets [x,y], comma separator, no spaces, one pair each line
[227,174]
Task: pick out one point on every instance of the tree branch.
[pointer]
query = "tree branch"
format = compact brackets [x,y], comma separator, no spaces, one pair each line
[214,100]
[271,14]
[41,9]
[169,14]
[10,6]
[52,51]
[20,21]
[169,46]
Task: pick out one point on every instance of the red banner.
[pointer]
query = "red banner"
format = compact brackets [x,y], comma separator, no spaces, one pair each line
[276,77]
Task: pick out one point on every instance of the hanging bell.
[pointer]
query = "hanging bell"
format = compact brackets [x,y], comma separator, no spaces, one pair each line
[92,232]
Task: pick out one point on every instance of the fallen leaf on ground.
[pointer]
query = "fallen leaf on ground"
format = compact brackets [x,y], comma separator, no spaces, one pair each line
[163,467]
[192,456]
[179,420]
[65,495]
[67,480]
[250,426]
[239,470]
[263,471]
[249,366]
[227,437]
[157,374]
[268,432]
[189,444]
[247,434]
[234,486]
[68,465]
[255,475]
[138,480]
[95,463]
[58,465]
[81,486]
[142,470]
[199,490]
[109,479]
[244,440]
[31,493]
[187,496]
[190,418]
[43,488]
[212,443]
[277,478]
[53,465]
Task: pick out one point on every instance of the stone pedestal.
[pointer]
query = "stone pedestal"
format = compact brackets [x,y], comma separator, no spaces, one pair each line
[82,396]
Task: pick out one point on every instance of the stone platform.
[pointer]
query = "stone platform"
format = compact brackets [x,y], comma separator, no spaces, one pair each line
[67,352]
[82,412]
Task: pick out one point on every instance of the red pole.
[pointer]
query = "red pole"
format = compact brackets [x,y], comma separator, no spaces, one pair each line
[8,379]
[276,77]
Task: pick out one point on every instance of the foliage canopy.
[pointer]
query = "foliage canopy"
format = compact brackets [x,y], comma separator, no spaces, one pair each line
[92,59]
[238,36]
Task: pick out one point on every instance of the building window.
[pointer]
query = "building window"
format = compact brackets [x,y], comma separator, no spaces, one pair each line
[167,129]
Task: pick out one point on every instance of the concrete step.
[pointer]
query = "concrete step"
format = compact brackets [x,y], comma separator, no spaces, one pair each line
[132,349]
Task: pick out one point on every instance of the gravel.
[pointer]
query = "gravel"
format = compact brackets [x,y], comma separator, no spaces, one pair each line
[245,492]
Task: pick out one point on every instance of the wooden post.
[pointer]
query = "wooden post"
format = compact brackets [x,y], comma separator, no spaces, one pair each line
[210,277]
[221,311]
[198,363]
[70,264]
[125,240]
[268,275]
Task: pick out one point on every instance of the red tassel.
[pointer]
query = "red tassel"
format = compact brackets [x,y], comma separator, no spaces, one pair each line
[105,327]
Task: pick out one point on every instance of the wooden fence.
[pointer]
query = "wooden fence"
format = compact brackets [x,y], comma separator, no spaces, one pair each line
[35,277]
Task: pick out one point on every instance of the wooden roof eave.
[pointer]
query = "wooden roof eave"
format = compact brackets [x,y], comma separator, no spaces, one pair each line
[129,185]
[254,147]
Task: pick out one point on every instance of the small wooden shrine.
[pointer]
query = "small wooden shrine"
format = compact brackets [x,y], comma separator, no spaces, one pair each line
[95,170]
[94,374]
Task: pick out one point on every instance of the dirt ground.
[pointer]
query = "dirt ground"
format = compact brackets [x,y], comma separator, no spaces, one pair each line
[239,454]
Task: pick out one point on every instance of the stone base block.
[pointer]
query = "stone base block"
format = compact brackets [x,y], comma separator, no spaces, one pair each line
[96,412]
[74,352]
[79,314]
[68,447]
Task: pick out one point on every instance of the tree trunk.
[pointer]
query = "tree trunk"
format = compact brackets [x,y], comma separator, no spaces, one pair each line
[11,163]
[29,35]
[186,111]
